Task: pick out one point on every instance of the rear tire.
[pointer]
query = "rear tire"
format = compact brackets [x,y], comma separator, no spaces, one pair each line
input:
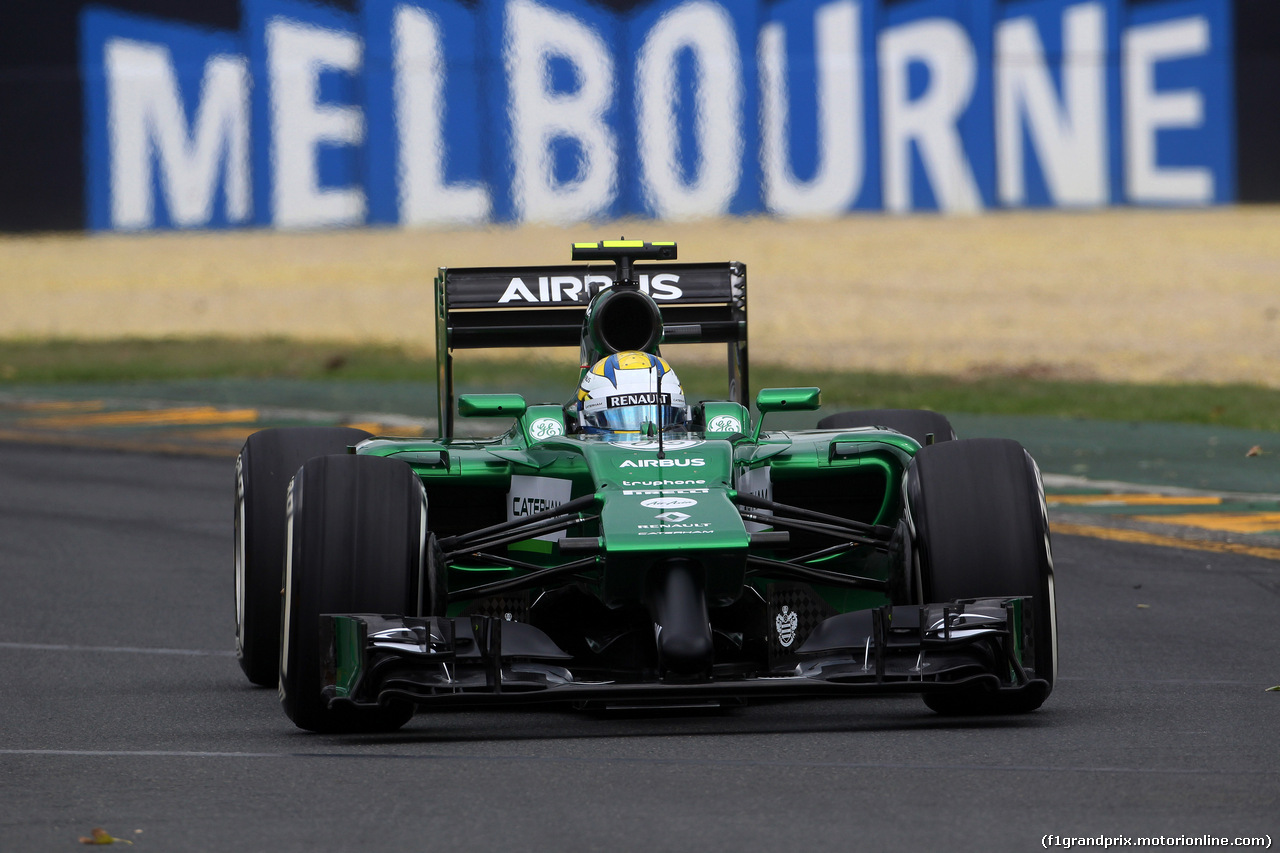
[917,423]
[357,542]
[263,469]
[981,531]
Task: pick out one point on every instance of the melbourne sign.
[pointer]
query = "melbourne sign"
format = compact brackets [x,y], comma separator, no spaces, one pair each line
[436,113]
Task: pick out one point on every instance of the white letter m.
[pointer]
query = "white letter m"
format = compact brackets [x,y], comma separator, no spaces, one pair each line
[145,114]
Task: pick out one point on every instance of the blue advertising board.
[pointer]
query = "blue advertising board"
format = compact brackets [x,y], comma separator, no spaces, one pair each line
[167,131]
[445,113]
[819,152]
[1058,121]
[425,149]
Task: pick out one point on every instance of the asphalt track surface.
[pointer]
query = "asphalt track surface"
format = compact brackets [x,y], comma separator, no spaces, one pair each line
[121,707]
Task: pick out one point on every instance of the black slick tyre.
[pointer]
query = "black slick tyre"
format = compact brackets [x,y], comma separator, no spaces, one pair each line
[263,469]
[917,423]
[357,543]
[981,531]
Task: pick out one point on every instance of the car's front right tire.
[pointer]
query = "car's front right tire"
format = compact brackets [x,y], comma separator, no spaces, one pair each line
[357,541]
[263,469]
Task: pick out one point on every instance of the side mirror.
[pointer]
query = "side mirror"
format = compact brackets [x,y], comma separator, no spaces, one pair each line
[788,400]
[491,405]
[785,400]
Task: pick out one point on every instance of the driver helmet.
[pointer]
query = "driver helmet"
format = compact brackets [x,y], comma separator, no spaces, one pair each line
[624,393]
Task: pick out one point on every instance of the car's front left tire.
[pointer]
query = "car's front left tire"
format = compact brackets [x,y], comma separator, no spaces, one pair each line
[981,531]
[916,423]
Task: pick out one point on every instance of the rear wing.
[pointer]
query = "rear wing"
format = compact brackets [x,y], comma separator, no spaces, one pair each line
[496,307]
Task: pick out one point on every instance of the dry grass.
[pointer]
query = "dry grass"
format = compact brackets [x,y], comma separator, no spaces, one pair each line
[1122,295]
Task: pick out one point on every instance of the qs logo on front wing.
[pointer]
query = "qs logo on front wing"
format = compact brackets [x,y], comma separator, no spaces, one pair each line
[787,624]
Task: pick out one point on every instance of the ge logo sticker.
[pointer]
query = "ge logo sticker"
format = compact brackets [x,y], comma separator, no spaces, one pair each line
[545,428]
[724,423]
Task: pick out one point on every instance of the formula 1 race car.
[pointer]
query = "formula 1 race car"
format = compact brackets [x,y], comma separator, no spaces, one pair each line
[629,548]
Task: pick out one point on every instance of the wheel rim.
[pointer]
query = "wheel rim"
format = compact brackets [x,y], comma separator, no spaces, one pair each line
[285,635]
[239,558]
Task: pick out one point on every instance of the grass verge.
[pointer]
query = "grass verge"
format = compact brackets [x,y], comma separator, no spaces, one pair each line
[53,362]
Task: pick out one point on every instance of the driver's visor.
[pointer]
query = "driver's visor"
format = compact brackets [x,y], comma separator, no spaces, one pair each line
[636,418]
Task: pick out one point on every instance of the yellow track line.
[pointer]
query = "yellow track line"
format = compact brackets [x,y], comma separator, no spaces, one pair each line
[1133,500]
[1139,537]
[1232,522]
[87,442]
[152,417]
[56,406]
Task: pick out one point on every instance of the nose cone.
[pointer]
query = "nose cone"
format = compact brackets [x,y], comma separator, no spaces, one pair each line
[677,602]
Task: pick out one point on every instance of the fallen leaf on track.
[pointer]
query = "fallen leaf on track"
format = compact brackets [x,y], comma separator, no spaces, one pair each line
[98,835]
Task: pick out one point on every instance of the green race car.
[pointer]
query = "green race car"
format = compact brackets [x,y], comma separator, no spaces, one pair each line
[631,548]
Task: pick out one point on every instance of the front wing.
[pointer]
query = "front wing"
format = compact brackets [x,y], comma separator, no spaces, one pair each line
[480,660]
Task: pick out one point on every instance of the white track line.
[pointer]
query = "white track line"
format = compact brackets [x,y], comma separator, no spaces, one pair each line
[62,647]
[639,761]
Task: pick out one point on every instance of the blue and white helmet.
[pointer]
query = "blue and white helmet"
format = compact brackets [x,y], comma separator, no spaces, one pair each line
[627,392]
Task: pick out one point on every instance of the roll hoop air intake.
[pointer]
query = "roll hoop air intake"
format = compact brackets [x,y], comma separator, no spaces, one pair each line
[623,318]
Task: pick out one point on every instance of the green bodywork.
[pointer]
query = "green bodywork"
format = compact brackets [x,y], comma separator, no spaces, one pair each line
[697,475]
